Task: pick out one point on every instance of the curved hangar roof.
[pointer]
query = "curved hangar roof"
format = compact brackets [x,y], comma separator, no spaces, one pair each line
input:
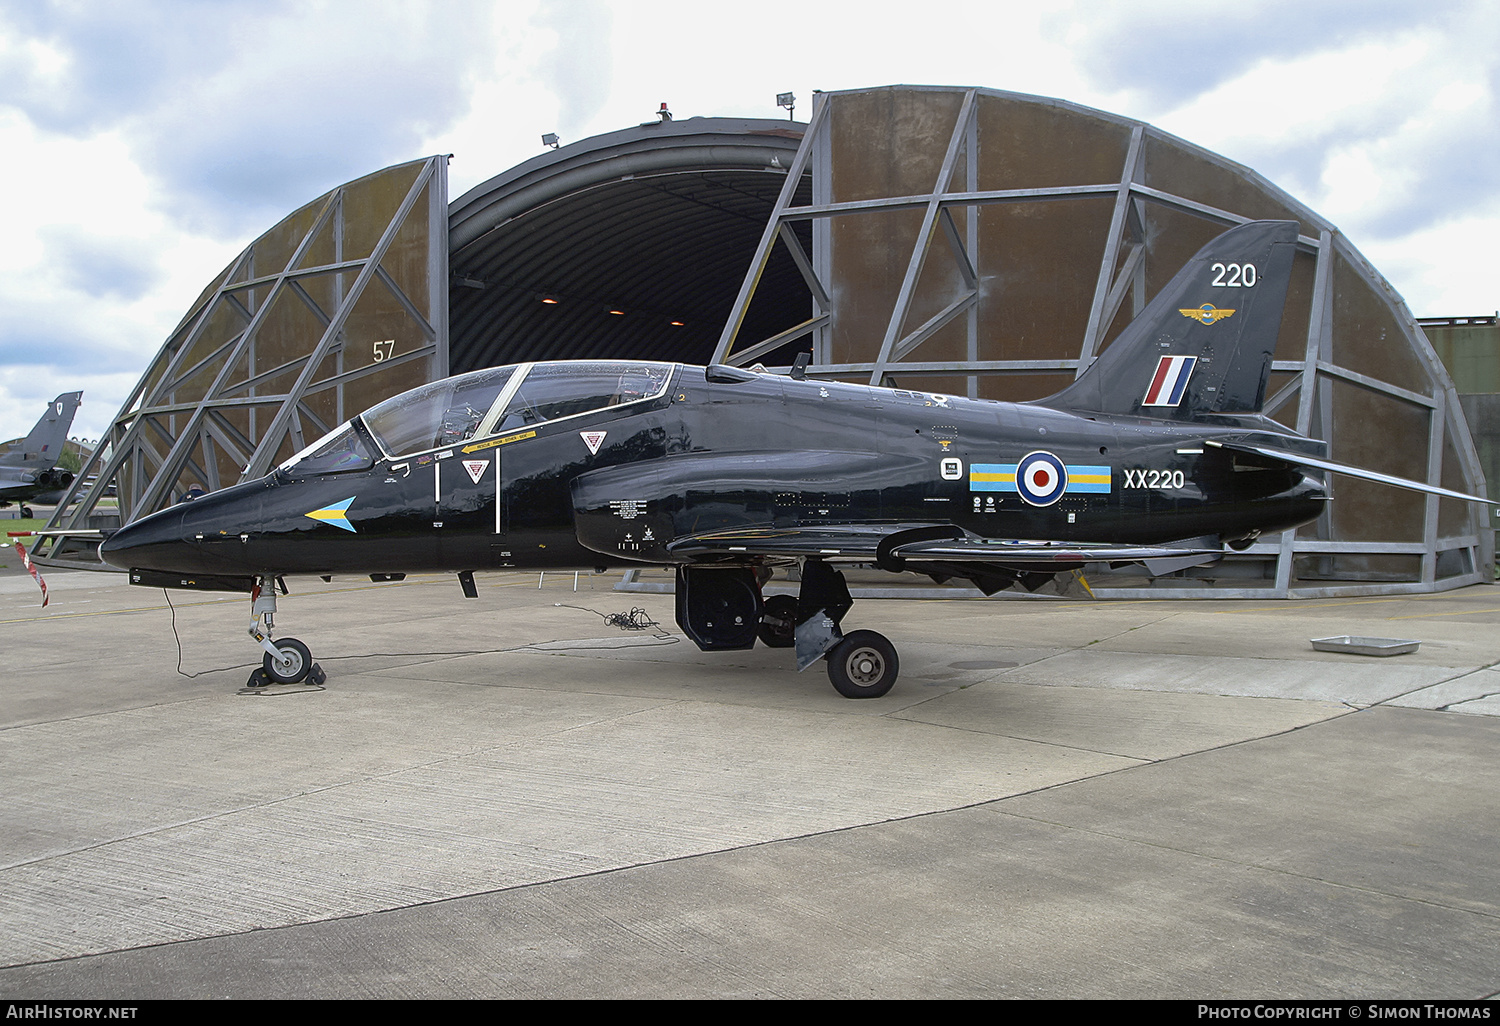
[630,244]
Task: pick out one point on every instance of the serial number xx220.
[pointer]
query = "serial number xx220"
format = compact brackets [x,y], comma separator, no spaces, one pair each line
[1141,477]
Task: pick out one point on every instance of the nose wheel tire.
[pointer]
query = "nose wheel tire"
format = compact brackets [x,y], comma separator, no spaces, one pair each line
[293,666]
[863,665]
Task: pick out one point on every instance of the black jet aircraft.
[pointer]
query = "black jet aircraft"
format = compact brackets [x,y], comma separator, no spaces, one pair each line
[29,469]
[1156,454]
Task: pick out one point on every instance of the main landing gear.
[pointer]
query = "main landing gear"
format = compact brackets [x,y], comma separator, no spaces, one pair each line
[721,608]
[287,661]
[863,665]
[778,622]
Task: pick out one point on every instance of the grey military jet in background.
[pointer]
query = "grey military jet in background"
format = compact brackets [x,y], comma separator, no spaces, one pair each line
[29,468]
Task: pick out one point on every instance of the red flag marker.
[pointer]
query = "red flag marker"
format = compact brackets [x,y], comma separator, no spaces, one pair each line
[26,562]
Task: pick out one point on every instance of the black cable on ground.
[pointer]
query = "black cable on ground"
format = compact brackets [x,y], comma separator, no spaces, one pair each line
[635,620]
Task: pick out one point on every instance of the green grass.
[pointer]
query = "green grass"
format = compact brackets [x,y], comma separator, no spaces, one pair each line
[21,525]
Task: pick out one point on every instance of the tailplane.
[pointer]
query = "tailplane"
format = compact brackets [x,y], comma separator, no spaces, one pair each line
[1203,345]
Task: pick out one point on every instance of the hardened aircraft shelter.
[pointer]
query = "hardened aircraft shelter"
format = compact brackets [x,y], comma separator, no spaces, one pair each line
[957,240]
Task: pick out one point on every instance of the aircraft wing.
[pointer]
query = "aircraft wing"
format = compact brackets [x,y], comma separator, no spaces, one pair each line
[891,545]
[1301,460]
[13,486]
[844,541]
[1043,554]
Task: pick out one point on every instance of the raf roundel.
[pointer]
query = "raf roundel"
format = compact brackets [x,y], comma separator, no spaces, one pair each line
[1041,478]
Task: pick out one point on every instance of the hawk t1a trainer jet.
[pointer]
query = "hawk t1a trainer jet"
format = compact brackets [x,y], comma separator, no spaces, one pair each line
[1157,454]
[29,468]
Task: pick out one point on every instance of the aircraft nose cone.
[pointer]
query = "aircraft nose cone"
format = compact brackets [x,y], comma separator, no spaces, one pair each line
[156,542]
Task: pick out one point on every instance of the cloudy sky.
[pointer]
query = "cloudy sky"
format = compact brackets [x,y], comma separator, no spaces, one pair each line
[143,143]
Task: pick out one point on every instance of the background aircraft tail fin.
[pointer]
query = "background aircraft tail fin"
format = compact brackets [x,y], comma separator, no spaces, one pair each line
[1203,345]
[41,448]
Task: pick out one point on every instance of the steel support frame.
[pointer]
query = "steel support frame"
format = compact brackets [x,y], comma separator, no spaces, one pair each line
[1315,372]
[129,450]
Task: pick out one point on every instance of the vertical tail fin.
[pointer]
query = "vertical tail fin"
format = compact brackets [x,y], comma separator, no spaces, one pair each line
[41,448]
[1203,345]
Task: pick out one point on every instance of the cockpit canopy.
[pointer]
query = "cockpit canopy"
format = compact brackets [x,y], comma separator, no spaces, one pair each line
[483,403]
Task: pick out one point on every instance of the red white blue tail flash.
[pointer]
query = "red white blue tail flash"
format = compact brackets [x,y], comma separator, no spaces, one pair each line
[1170,381]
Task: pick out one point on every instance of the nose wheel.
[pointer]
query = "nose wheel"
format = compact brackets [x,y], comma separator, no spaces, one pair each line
[863,665]
[287,661]
[291,666]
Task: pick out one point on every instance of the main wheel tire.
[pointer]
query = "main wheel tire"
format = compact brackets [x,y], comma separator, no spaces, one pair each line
[296,661]
[27,512]
[863,665]
[782,633]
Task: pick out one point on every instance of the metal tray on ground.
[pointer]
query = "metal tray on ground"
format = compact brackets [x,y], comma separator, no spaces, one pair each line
[1351,645]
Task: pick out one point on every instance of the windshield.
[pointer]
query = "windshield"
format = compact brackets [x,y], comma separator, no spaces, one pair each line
[339,450]
[435,415]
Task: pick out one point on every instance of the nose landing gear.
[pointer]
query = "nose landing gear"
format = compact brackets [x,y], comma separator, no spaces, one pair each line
[287,661]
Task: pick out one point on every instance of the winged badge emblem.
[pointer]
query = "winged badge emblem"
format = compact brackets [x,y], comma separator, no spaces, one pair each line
[1207,313]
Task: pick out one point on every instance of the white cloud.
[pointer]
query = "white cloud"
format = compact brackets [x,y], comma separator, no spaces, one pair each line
[88,272]
[1387,138]
[1462,284]
[510,105]
[150,142]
